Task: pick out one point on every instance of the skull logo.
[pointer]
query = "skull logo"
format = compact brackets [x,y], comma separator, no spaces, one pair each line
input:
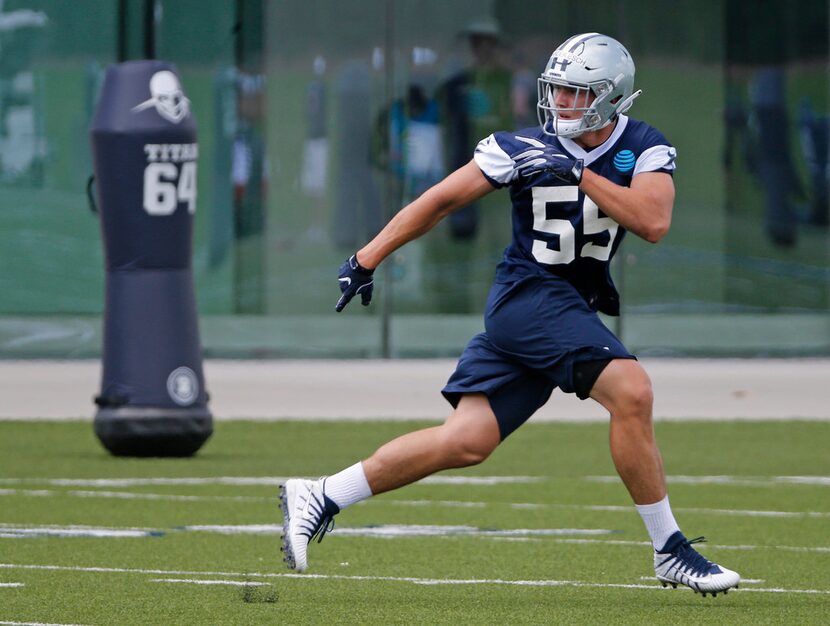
[167,97]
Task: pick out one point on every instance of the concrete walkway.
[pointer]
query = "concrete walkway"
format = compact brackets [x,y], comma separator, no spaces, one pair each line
[409,389]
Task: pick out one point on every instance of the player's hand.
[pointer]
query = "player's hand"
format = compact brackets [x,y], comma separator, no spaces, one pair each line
[354,279]
[538,157]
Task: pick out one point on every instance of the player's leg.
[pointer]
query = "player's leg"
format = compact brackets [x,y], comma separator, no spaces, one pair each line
[467,437]
[624,388]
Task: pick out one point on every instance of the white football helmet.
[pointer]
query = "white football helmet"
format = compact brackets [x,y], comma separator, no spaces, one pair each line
[589,63]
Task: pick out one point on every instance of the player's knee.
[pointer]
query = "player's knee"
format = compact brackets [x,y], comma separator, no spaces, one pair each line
[635,400]
[465,449]
[472,454]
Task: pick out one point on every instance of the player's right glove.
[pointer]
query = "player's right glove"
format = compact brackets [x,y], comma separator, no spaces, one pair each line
[354,279]
[539,157]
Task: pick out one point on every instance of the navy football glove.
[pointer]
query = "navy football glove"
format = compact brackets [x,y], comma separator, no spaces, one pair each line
[539,157]
[354,279]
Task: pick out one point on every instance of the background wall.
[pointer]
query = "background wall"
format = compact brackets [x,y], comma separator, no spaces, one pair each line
[317,122]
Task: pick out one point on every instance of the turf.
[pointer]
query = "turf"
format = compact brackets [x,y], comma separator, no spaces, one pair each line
[565,578]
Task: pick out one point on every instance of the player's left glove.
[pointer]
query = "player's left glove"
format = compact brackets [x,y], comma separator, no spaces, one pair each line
[354,279]
[539,157]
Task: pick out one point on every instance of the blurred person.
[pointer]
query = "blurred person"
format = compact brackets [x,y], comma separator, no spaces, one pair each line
[408,145]
[476,102]
[814,130]
[314,173]
[407,140]
[523,92]
[775,166]
[758,120]
[23,146]
[221,222]
[249,177]
[357,209]
[577,183]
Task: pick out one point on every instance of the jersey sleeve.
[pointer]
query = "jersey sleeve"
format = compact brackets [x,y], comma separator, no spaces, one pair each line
[658,156]
[494,161]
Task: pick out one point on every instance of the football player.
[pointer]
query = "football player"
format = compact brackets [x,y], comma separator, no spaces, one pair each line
[578,182]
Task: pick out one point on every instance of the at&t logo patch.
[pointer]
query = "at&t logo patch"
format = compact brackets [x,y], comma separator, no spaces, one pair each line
[624,161]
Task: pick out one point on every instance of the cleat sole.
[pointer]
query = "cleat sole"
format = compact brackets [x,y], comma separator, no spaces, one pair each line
[286,548]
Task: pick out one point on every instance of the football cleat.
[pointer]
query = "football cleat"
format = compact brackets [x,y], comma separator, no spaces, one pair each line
[679,563]
[306,513]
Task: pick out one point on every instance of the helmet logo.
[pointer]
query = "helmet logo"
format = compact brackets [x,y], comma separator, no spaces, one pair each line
[167,97]
[563,59]
[562,63]
[624,161]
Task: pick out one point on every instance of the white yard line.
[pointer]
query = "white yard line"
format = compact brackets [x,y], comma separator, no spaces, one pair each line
[2,623]
[415,530]
[12,585]
[273,481]
[383,531]
[747,481]
[386,531]
[595,507]
[247,481]
[18,531]
[130,495]
[424,503]
[413,580]
[127,495]
[622,542]
[198,581]
[743,481]
[751,513]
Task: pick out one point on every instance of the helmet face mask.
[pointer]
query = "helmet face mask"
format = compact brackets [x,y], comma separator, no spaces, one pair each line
[600,73]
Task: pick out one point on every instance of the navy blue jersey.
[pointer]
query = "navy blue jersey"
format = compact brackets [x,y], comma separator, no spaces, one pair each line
[557,229]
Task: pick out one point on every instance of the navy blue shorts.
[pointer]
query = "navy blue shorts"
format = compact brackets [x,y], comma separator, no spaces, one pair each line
[537,329]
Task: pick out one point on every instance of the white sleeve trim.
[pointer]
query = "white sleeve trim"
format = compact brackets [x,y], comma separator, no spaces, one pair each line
[494,161]
[656,158]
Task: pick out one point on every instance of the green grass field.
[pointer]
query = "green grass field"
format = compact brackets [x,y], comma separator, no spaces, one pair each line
[86,538]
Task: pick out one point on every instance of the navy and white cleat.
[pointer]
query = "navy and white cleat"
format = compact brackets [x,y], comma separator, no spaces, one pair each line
[678,563]
[306,513]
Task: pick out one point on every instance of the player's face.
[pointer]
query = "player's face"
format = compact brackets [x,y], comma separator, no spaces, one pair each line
[565,98]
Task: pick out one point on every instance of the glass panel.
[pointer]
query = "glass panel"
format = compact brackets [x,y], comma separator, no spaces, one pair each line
[778,260]
[326,78]
[213,84]
[318,121]
[50,70]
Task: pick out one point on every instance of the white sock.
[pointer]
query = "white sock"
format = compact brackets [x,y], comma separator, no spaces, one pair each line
[348,487]
[659,521]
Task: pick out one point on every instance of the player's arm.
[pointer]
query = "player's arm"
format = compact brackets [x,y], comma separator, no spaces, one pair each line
[460,188]
[463,186]
[644,208]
